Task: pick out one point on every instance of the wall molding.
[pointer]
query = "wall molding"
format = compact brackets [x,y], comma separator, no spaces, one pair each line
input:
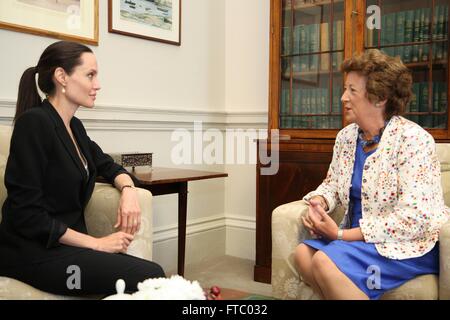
[138,118]
[132,119]
[194,226]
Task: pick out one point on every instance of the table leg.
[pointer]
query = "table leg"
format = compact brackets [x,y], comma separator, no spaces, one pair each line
[182,213]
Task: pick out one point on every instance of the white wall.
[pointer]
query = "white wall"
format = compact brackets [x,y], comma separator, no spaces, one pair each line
[218,75]
[246,89]
[247,55]
[139,72]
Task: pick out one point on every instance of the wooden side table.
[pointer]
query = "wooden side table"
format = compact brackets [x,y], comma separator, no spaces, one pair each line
[160,181]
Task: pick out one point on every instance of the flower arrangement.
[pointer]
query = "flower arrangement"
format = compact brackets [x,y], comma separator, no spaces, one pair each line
[173,288]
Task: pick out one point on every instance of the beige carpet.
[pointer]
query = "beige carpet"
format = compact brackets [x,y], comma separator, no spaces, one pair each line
[227,272]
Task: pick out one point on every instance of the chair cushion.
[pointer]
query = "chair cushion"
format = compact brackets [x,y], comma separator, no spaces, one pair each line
[420,288]
[12,289]
[443,154]
[5,139]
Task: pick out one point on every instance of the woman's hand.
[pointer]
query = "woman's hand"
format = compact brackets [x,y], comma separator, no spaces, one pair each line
[319,222]
[114,243]
[309,225]
[129,212]
[306,219]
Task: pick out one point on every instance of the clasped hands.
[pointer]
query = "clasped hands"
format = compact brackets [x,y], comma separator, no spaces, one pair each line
[318,222]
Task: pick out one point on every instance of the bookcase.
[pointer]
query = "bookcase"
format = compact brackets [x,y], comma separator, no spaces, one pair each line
[308,42]
[417,32]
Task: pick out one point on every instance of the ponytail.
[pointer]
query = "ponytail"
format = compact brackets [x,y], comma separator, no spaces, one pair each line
[64,54]
[28,96]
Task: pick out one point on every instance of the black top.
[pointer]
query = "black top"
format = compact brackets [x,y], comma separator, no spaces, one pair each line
[48,187]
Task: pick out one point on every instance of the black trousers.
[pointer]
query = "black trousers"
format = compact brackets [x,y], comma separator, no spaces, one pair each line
[86,272]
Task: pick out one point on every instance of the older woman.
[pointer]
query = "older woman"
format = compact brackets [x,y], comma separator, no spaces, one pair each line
[385,174]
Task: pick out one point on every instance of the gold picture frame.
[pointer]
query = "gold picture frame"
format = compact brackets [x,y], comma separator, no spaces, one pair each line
[73,20]
[157,20]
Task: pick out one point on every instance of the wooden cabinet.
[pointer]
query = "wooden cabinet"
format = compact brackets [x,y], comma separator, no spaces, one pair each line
[308,41]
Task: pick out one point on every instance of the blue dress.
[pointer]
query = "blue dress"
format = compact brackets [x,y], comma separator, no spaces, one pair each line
[360,261]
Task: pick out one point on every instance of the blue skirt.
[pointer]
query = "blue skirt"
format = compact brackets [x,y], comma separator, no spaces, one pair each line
[371,272]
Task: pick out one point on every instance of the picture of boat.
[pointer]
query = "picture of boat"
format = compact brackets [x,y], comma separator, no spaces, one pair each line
[155,13]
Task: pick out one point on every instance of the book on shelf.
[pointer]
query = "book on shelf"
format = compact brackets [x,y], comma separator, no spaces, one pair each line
[414,26]
[436,88]
[443,97]
[313,31]
[296,101]
[285,100]
[286,42]
[336,106]
[420,103]
[370,37]
[324,46]
[413,105]
[440,22]
[400,32]
[314,38]
[303,48]
[423,98]
[307,106]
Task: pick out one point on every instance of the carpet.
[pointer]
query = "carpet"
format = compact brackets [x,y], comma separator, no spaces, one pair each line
[231,294]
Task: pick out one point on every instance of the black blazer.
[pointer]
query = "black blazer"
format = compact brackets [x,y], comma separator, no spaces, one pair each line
[48,187]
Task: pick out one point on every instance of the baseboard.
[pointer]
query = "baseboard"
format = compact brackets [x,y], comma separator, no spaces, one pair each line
[240,243]
[206,238]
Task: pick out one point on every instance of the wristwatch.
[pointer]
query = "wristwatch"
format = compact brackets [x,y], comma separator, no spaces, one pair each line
[340,234]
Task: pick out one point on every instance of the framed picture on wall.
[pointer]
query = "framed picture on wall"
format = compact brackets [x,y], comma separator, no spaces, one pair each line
[157,20]
[74,20]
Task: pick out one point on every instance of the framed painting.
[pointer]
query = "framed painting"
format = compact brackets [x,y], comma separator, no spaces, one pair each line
[158,20]
[74,20]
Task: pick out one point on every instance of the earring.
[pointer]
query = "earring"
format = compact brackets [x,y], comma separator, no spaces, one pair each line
[63,90]
[377,104]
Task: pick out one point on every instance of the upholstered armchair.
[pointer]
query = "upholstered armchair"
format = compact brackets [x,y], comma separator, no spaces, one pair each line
[287,231]
[100,215]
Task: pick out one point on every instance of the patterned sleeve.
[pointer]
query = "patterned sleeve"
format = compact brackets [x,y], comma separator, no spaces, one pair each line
[329,187]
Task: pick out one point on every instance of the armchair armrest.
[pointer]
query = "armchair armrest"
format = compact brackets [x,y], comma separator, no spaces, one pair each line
[101,216]
[287,230]
[444,262]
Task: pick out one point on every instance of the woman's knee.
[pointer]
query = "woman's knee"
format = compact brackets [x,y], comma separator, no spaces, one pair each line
[303,255]
[152,270]
[158,271]
[321,265]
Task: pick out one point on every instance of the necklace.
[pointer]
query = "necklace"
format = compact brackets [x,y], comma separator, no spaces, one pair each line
[368,143]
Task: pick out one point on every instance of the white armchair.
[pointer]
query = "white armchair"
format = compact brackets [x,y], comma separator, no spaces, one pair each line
[100,215]
[287,231]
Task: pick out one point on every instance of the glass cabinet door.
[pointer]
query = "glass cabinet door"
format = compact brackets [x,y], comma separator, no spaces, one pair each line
[312,49]
[417,32]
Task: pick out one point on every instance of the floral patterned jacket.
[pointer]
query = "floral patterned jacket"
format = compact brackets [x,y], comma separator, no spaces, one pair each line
[401,193]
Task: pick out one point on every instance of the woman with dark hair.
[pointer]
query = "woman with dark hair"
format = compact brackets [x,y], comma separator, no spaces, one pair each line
[50,176]
[386,176]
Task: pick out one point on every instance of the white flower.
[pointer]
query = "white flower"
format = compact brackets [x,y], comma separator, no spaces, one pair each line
[173,288]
